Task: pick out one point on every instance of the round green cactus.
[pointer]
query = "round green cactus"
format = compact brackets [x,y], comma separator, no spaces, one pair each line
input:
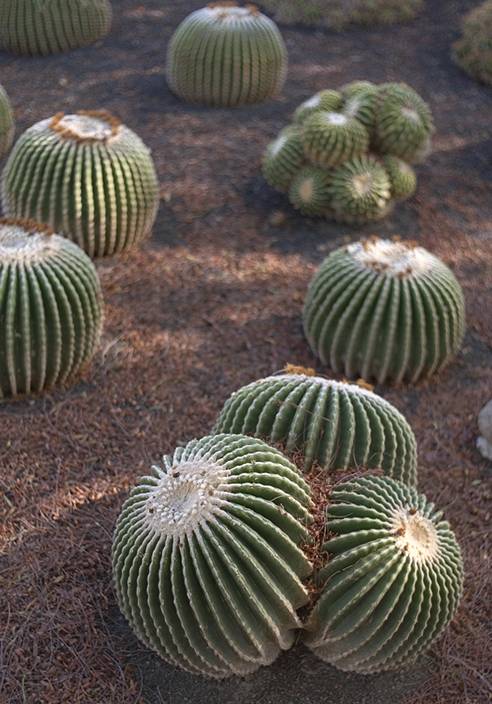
[283,159]
[87,176]
[404,122]
[384,310]
[393,580]
[324,101]
[50,308]
[331,423]
[51,26]
[473,52]
[403,180]
[206,555]
[310,191]
[359,101]
[330,138]
[7,127]
[225,55]
[360,191]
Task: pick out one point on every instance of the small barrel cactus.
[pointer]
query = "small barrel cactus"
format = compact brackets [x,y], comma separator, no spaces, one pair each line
[403,122]
[87,176]
[50,308]
[384,310]
[331,423]
[7,127]
[358,144]
[51,26]
[207,560]
[393,580]
[473,52]
[226,55]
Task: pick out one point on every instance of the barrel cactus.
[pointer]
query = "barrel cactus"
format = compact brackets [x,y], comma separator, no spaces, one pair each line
[87,176]
[226,55]
[384,310]
[44,27]
[473,52]
[361,141]
[7,127]
[393,579]
[331,423]
[50,308]
[207,557]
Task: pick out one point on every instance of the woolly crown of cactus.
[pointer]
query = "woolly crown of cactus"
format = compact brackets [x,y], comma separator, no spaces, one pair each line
[50,308]
[7,126]
[473,52]
[331,423]
[52,26]
[346,156]
[393,579]
[87,176]
[226,55]
[207,560]
[384,310]
[214,552]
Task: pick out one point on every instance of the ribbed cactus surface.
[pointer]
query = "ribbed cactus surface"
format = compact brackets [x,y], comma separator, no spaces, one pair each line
[50,308]
[52,26]
[331,423]
[473,51]
[393,578]
[206,557]
[358,143]
[226,55]
[384,310]
[87,176]
[7,127]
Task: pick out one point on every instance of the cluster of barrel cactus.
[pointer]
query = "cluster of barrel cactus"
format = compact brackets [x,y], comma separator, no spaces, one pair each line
[226,55]
[333,424]
[337,14]
[348,153]
[7,125]
[219,562]
[384,310]
[88,177]
[50,308]
[41,27]
[473,51]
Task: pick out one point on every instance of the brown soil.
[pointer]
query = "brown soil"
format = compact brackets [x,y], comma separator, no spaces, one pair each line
[213,302]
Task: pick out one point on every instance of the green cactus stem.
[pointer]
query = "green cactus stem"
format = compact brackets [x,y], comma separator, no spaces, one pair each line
[7,126]
[283,159]
[403,180]
[331,138]
[324,101]
[360,191]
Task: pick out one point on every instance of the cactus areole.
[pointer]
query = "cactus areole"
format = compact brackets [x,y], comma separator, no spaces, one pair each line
[220,562]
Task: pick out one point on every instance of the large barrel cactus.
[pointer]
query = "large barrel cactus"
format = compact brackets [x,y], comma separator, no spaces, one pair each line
[384,310]
[347,154]
[87,176]
[393,578]
[50,308]
[51,26]
[473,51]
[7,127]
[331,423]
[207,560]
[226,55]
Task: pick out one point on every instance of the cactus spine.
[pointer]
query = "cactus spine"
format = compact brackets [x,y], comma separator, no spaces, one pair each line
[87,176]
[50,308]
[7,127]
[393,580]
[283,159]
[333,424]
[226,55]
[386,311]
[206,557]
[52,26]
